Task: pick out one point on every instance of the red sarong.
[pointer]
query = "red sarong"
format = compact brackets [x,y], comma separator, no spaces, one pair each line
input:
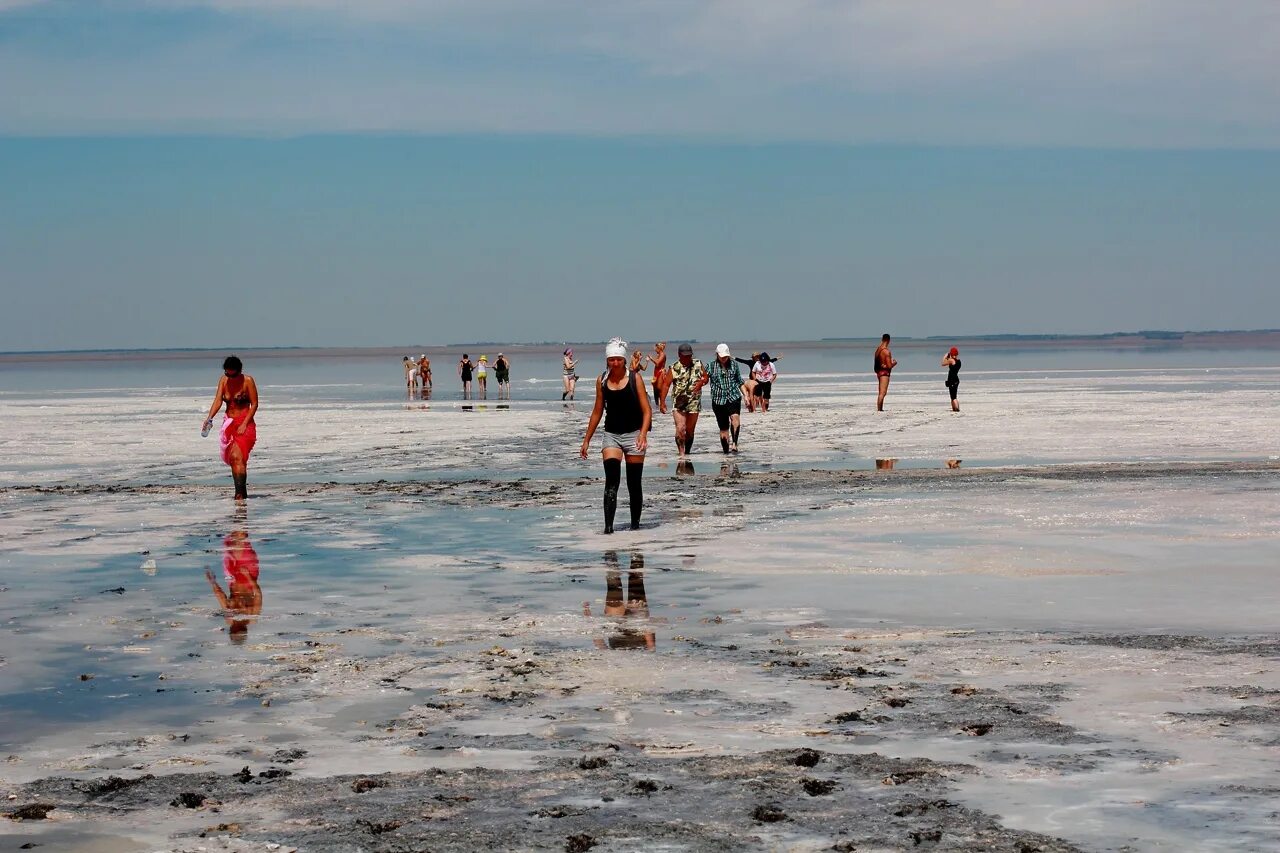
[227,437]
[239,560]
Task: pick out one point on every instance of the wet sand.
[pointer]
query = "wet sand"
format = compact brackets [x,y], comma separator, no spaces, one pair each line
[1074,657]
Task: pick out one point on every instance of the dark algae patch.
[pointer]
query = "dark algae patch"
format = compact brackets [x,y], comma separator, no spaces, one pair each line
[716,803]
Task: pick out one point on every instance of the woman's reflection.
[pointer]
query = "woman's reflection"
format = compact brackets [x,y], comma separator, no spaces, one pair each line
[634,605]
[242,602]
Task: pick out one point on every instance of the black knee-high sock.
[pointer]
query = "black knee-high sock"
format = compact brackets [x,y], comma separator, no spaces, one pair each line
[734,430]
[612,479]
[724,444]
[635,490]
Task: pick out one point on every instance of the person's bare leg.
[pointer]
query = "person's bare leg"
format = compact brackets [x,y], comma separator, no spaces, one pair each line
[884,389]
[239,473]
[690,423]
[735,424]
[679,418]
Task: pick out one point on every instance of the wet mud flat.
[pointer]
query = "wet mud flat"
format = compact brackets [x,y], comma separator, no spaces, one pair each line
[558,698]
[802,737]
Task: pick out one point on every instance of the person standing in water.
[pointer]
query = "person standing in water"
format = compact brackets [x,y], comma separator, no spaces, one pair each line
[410,376]
[502,375]
[661,376]
[239,432]
[465,367]
[726,382]
[688,376]
[424,374]
[570,374]
[482,377]
[884,365]
[623,401]
[951,361]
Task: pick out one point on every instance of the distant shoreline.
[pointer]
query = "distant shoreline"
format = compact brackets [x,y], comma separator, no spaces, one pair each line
[1151,339]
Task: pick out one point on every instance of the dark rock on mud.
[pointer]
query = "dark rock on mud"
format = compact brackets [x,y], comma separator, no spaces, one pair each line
[31,811]
[768,813]
[579,843]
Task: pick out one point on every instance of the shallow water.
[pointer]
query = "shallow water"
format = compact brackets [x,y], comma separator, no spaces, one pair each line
[491,539]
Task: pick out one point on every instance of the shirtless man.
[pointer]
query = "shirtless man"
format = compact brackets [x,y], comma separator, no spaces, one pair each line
[424,374]
[884,365]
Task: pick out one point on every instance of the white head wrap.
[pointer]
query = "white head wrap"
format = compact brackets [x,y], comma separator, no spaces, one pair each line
[616,348]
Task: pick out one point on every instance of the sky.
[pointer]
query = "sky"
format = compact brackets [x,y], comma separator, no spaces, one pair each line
[319,172]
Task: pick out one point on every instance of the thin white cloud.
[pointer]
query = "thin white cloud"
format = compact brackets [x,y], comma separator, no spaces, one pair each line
[1158,72]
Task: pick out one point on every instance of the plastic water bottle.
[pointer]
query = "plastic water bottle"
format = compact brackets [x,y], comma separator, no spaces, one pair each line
[208,425]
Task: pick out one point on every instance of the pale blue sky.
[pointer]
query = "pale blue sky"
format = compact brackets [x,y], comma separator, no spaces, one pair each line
[312,172]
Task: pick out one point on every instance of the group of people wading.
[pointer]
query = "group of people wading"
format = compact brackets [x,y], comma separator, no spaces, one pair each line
[622,401]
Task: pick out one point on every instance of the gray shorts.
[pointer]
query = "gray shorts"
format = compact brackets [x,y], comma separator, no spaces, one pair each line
[624,441]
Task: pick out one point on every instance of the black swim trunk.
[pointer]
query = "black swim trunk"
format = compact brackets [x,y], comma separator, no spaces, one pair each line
[724,411]
[765,390]
[953,389]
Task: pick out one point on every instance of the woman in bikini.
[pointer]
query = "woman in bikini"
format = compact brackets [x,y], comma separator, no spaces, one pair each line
[661,376]
[239,433]
[570,374]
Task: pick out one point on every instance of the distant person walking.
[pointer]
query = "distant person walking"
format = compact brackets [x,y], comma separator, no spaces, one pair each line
[688,376]
[725,378]
[951,361]
[502,374]
[239,433]
[764,374]
[661,376]
[623,401]
[465,369]
[884,365]
[570,374]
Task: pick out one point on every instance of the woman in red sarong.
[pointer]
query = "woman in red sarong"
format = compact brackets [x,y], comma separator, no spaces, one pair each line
[239,433]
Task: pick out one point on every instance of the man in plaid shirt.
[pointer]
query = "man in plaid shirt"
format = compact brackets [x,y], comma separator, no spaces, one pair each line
[726,397]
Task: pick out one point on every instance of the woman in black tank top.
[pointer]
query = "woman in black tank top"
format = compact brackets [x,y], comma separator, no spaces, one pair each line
[623,402]
[951,361]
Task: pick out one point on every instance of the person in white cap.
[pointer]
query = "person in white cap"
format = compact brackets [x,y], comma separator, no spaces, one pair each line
[623,401]
[502,373]
[424,374]
[725,379]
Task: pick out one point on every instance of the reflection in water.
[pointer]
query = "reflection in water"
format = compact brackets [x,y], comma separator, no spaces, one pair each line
[684,468]
[953,463]
[729,470]
[885,464]
[242,602]
[635,605]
